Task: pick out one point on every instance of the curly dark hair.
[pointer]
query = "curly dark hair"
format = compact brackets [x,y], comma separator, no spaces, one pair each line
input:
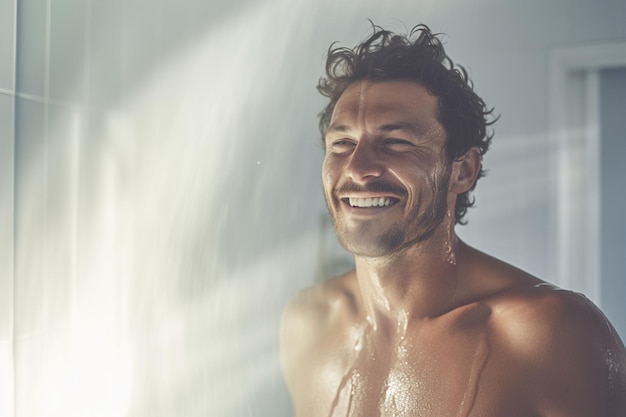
[420,57]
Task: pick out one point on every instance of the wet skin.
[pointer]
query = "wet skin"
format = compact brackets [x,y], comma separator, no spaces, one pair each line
[519,349]
[426,325]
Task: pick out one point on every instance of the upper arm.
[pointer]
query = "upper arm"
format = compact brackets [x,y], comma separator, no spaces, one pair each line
[302,322]
[291,331]
[578,363]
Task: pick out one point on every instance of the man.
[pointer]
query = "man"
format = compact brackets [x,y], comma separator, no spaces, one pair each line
[426,325]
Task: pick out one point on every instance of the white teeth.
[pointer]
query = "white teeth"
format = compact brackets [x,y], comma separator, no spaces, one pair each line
[369,202]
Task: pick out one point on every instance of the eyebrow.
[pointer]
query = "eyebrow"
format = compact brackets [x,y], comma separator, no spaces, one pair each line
[386,128]
[337,128]
[403,126]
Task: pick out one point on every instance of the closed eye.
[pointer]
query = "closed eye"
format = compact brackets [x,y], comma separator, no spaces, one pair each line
[341,145]
[398,144]
[397,141]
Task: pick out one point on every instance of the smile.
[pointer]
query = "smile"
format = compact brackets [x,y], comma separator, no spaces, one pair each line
[369,201]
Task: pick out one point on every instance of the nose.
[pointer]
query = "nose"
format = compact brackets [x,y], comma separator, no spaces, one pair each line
[364,163]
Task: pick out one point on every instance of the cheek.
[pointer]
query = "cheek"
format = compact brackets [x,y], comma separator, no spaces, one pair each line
[434,178]
[325,170]
[328,176]
[417,179]
[423,184]
[330,169]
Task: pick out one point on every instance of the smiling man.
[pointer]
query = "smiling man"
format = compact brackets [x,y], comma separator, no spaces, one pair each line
[426,325]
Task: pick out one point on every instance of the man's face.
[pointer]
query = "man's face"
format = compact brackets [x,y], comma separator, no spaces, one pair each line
[385,173]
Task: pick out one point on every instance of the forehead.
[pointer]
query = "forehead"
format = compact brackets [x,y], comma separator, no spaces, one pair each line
[369,104]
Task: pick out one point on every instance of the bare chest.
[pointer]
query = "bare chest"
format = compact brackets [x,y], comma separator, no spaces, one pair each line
[431,374]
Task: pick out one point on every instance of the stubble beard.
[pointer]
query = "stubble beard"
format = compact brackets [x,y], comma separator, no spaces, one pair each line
[421,223]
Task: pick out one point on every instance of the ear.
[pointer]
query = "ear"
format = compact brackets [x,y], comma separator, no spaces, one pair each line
[465,170]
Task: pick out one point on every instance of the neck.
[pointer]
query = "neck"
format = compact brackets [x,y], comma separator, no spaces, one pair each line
[418,283]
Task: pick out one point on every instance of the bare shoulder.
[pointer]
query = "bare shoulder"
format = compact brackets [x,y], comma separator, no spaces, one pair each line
[533,315]
[316,306]
[557,344]
[309,318]
[565,348]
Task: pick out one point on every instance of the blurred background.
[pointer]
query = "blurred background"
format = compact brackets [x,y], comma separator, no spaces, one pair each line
[160,195]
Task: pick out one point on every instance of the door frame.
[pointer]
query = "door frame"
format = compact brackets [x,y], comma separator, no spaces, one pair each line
[574,88]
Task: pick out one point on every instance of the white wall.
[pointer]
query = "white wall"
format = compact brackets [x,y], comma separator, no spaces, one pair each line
[166,199]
